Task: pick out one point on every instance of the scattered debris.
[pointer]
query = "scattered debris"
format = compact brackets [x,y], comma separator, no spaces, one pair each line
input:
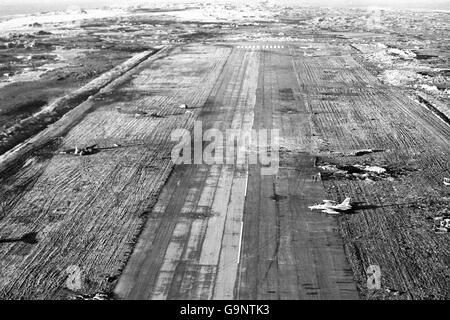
[135,112]
[138,113]
[361,172]
[97,296]
[394,292]
[86,151]
[83,151]
[331,207]
[441,224]
[29,162]
[375,169]
[155,115]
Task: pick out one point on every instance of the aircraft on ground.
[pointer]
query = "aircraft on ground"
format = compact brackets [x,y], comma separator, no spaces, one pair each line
[331,207]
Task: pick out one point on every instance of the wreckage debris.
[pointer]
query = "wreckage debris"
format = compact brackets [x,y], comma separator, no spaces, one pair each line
[352,171]
[395,292]
[83,151]
[97,296]
[183,106]
[138,113]
[446,181]
[360,172]
[374,169]
[442,224]
[89,150]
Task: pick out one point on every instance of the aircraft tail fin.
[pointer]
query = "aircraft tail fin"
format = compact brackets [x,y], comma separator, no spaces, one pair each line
[346,202]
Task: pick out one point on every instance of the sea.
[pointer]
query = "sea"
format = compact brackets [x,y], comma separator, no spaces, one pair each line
[22,7]
[14,7]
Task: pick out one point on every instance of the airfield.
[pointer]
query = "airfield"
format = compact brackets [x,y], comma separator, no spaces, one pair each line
[139,226]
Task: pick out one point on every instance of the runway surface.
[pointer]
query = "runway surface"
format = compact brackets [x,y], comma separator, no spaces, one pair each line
[230,231]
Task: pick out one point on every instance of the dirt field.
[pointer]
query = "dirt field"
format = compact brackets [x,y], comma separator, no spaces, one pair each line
[98,203]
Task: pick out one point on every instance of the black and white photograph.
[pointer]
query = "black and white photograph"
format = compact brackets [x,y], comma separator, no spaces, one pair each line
[224,150]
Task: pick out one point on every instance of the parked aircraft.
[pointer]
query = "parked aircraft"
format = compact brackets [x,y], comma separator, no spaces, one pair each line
[331,207]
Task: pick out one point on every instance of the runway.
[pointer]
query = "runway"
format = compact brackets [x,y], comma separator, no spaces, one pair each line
[227,231]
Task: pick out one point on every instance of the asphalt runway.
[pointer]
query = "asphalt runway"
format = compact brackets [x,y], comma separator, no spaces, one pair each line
[230,231]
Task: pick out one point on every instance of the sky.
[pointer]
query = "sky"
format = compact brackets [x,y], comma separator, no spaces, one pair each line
[8,7]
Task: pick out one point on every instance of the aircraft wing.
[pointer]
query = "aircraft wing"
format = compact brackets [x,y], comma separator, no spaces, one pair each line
[330,211]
